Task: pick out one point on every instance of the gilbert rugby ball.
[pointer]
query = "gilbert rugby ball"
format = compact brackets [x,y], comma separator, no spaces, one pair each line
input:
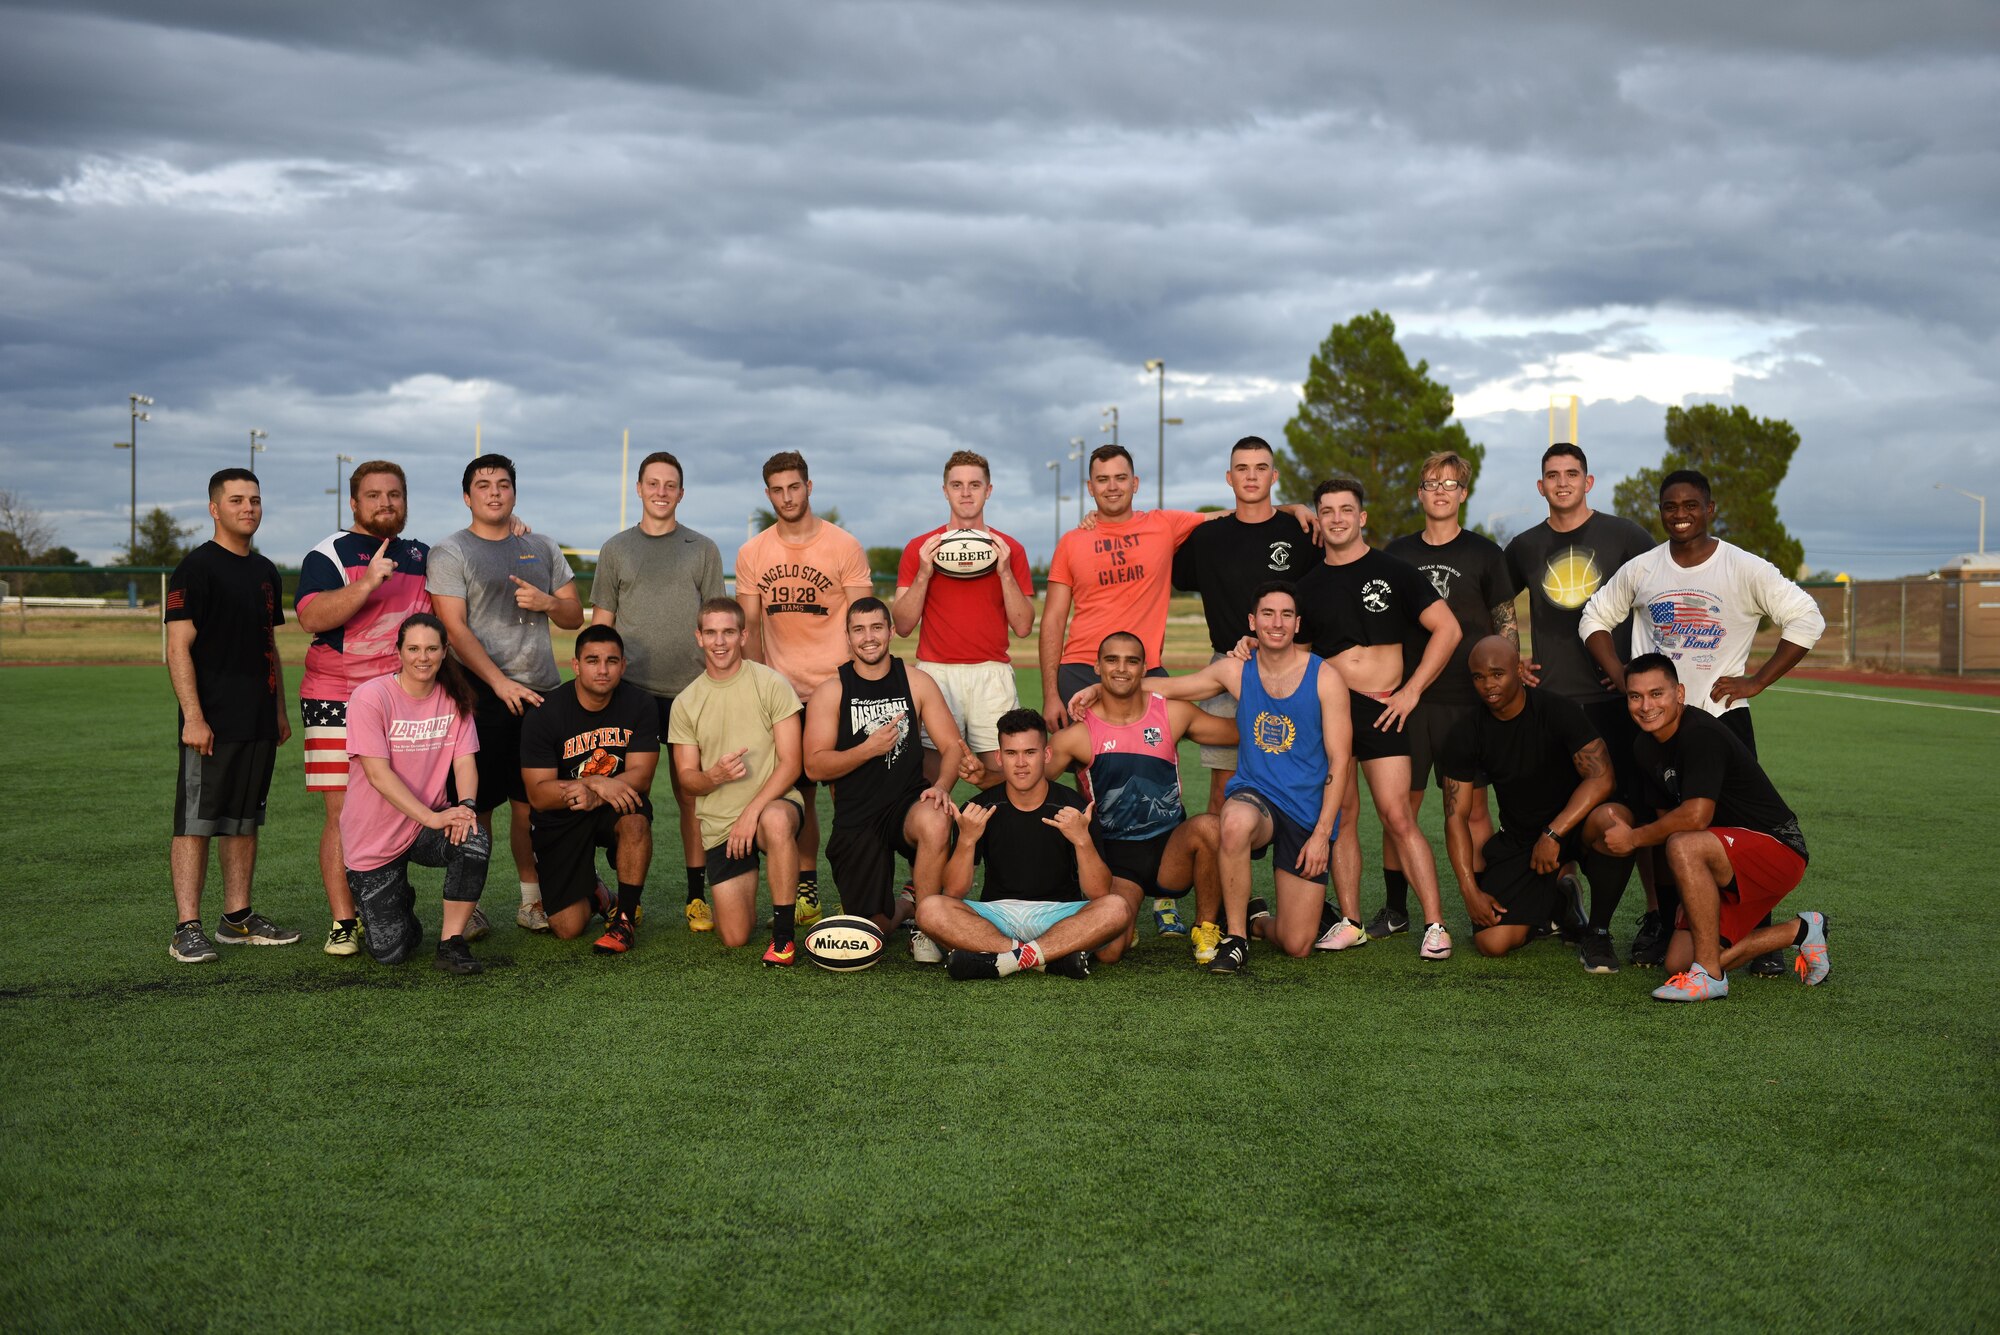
[843,943]
[967,552]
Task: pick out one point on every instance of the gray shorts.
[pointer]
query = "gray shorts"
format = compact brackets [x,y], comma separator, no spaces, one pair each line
[1222,706]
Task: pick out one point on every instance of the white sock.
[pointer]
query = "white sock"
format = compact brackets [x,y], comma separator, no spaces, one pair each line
[1008,961]
[1033,949]
[531,892]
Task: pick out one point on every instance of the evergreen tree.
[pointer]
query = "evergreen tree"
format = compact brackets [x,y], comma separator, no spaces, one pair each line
[1744,459]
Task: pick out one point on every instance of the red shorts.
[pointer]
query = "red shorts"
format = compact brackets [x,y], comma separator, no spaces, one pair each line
[1766,871]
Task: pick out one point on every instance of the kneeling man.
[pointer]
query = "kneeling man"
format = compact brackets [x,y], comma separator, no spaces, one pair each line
[587,761]
[1733,844]
[1047,900]
[1553,777]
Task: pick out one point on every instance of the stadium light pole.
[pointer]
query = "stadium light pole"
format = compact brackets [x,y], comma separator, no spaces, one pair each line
[334,490]
[1112,413]
[1079,452]
[257,447]
[1972,495]
[131,442]
[1159,366]
[1055,466]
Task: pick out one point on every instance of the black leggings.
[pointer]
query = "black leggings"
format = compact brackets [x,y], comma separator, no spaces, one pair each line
[387,901]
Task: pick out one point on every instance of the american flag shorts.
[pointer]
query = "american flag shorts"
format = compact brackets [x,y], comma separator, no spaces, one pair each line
[326,744]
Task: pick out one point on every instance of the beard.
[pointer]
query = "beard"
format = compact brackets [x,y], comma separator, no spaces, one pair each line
[385,527]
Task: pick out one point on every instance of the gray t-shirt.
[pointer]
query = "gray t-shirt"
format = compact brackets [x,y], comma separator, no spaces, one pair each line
[478,570]
[653,587]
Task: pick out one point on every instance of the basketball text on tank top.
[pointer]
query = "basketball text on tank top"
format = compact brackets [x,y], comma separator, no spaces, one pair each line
[1135,775]
[886,781]
[1282,752]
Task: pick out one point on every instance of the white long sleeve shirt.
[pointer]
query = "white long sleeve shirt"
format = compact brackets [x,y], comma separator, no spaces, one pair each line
[1703,617]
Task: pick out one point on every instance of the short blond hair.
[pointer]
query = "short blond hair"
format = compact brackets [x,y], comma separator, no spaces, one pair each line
[1444,459]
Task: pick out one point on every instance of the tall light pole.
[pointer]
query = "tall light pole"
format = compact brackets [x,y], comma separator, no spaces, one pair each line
[1080,453]
[131,442]
[257,446]
[334,490]
[1055,466]
[1972,495]
[1160,478]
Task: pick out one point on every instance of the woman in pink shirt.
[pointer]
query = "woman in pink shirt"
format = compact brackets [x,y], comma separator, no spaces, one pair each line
[407,733]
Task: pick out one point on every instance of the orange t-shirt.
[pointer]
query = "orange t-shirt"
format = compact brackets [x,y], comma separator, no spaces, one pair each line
[1121,576]
[804,587]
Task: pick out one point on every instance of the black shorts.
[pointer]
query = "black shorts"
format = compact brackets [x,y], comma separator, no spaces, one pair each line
[1288,837]
[1614,724]
[1073,677]
[566,849]
[1511,879]
[1738,722]
[665,704]
[499,754]
[1371,742]
[223,793]
[1429,730]
[1137,861]
[863,858]
[723,868]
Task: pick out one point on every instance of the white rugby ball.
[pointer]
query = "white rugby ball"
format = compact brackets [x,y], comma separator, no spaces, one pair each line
[843,943]
[967,552]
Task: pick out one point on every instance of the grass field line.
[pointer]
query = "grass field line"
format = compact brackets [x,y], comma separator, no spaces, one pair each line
[1884,700]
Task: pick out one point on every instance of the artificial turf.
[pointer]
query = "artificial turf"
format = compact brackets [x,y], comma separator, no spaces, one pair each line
[682,1138]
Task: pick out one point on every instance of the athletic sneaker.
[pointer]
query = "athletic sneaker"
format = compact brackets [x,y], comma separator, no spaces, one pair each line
[1694,985]
[923,950]
[1387,923]
[1076,964]
[1770,964]
[454,956]
[806,906]
[343,940]
[781,957]
[255,930]
[698,916]
[964,965]
[1597,952]
[1207,936]
[192,946]
[1812,965]
[1259,909]
[1571,921]
[1649,943]
[1345,934]
[530,916]
[617,938]
[1437,943]
[477,927]
[1167,918]
[1232,956]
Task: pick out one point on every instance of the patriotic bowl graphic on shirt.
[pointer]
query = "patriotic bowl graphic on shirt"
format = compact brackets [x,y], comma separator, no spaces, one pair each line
[1685,621]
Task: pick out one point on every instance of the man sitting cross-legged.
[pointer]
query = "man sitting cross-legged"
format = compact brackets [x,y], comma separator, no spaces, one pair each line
[1126,746]
[1292,759]
[1733,843]
[861,738]
[1047,898]
[1533,746]
[587,762]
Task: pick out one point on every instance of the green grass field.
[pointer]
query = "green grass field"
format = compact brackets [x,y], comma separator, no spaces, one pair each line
[285,1141]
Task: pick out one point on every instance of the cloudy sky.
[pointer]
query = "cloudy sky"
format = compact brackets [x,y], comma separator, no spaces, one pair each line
[877,232]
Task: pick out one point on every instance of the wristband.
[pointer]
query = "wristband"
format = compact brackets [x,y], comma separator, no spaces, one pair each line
[469,804]
[1549,832]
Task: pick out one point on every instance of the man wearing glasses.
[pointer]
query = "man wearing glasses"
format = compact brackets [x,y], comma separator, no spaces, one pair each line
[1469,571]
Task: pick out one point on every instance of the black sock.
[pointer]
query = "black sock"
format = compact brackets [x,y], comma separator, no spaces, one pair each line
[628,898]
[697,878]
[348,923]
[781,923]
[1799,936]
[191,922]
[1396,892]
[239,917]
[809,876]
[1328,916]
[1608,877]
[1668,892]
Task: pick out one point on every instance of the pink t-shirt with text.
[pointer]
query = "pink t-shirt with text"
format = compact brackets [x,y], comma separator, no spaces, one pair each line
[419,739]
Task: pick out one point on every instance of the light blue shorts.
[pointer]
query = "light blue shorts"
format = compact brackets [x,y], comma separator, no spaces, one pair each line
[1026,919]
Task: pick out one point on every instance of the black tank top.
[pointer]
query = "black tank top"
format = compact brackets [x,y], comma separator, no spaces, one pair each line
[887,781]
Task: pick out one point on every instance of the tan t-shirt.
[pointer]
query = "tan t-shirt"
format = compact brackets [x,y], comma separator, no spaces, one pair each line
[722,717]
[804,587]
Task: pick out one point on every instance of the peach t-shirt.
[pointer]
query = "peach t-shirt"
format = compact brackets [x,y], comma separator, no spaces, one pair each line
[1121,576]
[804,588]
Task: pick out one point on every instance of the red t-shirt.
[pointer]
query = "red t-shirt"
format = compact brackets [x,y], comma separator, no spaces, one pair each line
[1121,576]
[965,620]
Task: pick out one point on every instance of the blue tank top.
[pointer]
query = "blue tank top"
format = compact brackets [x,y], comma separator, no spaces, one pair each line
[1282,754]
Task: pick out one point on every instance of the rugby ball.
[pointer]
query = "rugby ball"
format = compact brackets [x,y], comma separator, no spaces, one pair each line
[967,553]
[843,943]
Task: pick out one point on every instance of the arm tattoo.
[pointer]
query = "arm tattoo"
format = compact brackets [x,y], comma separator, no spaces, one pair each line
[1503,622]
[1452,788]
[1594,761]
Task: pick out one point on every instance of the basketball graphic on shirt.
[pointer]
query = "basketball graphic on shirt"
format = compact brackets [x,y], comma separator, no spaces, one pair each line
[1273,733]
[1571,576]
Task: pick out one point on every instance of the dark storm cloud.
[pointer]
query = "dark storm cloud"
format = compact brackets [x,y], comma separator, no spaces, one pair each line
[883,231]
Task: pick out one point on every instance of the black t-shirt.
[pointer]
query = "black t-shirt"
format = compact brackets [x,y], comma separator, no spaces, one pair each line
[1376,600]
[1470,574]
[233,602]
[1560,571]
[1528,760]
[892,780]
[1704,759]
[564,736]
[1024,858]
[1226,560]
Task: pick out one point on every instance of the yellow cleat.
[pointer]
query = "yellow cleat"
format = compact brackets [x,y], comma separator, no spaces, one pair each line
[698,916]
[1207,938]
